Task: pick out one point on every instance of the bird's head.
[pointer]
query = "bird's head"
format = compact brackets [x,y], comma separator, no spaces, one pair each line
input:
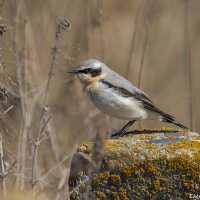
[90,71]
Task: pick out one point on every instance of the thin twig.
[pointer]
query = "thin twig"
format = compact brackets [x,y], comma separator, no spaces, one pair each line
[20,70]
[88,25]
[133,42]
[11,166]
[62,25]
[104,53]
[36,145]
[2,167]
[188,67]
[144,47]
[27,109]
[8,109]
[53,146]
[62,185]
[45,125]
[45,176]
[1,6]
[145,42]
[104,48]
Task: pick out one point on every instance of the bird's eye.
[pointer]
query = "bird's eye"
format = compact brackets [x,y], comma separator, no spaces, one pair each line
[88,70]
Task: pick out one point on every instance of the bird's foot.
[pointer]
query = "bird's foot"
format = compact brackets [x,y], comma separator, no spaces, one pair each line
[123,131]
[118,134]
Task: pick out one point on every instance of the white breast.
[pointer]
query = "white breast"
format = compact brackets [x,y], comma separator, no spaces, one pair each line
[110,101]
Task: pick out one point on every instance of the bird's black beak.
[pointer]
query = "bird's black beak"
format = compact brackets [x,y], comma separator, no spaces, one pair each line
[74,72]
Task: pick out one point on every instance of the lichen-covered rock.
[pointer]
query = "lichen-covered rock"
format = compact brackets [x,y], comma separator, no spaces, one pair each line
[164,165]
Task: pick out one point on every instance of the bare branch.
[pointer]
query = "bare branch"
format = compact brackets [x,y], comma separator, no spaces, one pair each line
[45,176]
[8,109]
[63,24]
[2,166]
[62,185]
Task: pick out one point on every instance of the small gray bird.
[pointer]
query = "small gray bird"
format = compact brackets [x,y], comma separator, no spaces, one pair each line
[116,96]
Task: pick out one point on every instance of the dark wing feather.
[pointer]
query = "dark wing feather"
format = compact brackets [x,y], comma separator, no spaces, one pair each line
[146,102]
[150,106]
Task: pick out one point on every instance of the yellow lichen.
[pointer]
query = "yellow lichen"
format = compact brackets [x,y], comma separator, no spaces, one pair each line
[146,170]
[151,169]
[86,148]
[115,196]
[101,178]
[156,185]
[101,196]
[128,171]
[115,179]
[197,156]
[114,164]
[189,186]
[122,194]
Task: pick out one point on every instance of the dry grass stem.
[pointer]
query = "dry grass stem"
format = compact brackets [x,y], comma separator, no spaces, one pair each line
[65,158]
[188,67]
[8,109]
[133,42]
[62,186]
[53,146]
[21,61]
[88,25]
[2,167]
[147,18]
[62,25]
[104,52]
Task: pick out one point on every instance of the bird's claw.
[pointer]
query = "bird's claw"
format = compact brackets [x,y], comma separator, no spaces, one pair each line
[118,134]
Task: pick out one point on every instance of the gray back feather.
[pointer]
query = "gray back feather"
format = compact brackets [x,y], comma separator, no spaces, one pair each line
[119,81]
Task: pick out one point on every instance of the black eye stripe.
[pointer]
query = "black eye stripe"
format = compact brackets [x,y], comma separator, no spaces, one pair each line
[91,71]
[86,71]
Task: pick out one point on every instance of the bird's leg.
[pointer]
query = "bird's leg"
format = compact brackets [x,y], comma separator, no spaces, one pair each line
[124,129]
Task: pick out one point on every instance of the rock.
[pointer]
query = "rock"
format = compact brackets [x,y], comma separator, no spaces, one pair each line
[84,163]
[162,165]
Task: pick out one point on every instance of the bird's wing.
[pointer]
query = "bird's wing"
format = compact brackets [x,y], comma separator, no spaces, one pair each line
[126,88]
[119,81]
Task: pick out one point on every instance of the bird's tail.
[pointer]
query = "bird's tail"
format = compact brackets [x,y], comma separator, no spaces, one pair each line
[170,119]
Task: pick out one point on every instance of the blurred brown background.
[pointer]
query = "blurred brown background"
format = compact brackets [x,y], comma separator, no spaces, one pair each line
[153,43]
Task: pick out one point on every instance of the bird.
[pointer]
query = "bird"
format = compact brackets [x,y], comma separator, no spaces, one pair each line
[115,96]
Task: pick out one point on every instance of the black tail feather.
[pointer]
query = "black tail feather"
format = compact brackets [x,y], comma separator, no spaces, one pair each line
[169,119]
[180,125]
